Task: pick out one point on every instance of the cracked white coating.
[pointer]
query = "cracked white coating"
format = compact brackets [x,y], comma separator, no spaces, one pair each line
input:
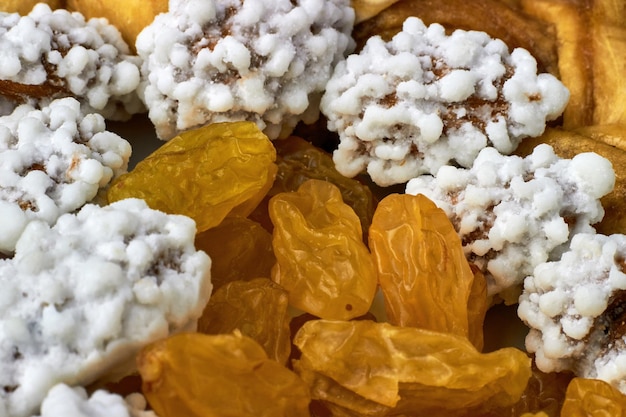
[263,61]
[513,213]
[66,401]
[60,54]
[575,308]
[80,298]
[425,99]
[53,161]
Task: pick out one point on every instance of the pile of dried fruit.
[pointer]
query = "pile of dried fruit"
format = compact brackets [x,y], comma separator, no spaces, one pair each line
[333,296]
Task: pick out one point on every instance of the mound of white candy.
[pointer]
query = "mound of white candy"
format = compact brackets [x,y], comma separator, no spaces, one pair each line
[53,161]
[67,56]
[66,401]
[265,61]
[514,213]
[79,299]
[423,100]
[576,308]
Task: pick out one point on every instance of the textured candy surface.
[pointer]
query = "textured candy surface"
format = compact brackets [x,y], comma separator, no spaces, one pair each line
[82,297]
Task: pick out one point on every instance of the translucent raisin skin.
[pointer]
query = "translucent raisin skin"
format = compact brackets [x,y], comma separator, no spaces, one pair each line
[298,161]
[321,259]
[204,173]
[591,398]
[360,368]
[258,308]
[240,249]
[196,375]
[423,273]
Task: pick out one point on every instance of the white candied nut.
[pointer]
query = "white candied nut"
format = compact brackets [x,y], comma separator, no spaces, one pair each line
[514,213]
[424,99]
[60,54]
[576,309]
[52,161]
[73,308]
[66,401]
[263,61]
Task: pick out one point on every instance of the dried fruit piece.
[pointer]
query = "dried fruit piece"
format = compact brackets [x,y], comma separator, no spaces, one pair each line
[544,396]
[258,308]
[298,161]
[240,249]
[591,398]
[364,368]
[195,375]
[204,173]
[321,258]
[422,270]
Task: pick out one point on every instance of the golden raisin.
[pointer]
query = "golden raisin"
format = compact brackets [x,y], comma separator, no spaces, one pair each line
[204,173]
[321,258]
[298,161]
[360,368]
[258,308]
[423,273]
[196,375]
[240,249]
[593,398]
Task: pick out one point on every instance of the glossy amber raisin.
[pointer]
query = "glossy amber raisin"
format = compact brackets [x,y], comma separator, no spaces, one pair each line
[321,259]
[258,308]
[376,369]
[240,249]
[423,273]
[593,398]
[204,173]
[196,375]
[298,161]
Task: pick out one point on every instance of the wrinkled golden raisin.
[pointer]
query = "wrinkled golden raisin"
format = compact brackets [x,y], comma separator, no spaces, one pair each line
[298,161]
[240,249]
[258,308]
[196,375]
[423,273]
[544,393]
[205,173]
[593,398]
[360,368]
[321,258]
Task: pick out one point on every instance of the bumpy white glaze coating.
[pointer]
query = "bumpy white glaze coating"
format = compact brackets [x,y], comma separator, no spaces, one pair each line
[575,308]
[514,213]
[66,401]
[423,100]
[53,161]
[79,299]
[69,56]
[264,61]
